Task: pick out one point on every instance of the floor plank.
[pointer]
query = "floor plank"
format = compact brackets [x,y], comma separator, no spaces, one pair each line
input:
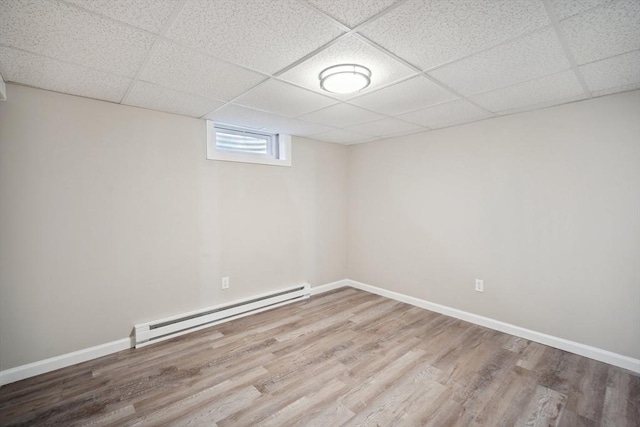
[347,358]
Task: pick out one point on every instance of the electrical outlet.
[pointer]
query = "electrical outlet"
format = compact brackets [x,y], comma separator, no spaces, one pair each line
[479,285]
[225,283]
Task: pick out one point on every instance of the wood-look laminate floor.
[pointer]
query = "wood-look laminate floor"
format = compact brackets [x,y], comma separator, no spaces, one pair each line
[342,358]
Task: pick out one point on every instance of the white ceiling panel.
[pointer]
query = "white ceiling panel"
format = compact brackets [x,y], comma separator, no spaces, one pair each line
[342,136]
[69,34]
[565,8]
[39,71]
[543,105]
[543,90]
[284,99]
[341,115]
[408,95]
[353,12]
[523,59]
[296,127]
[604,31]
[386,127]
[622,70]
[180,68]
[264,35]
[349,50]
[617,89]
[237,115]
[153,97]
[149,15]
[447,114]
[429,33]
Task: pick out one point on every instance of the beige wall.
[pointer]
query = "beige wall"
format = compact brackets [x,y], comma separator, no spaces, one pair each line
[110,216]
[544,206]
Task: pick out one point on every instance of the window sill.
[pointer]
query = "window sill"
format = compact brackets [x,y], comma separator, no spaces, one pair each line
[234,157]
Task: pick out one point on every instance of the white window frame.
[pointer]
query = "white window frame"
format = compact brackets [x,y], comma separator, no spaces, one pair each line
[280,150]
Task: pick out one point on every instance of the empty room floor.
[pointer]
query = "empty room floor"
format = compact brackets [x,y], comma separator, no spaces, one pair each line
[346,357]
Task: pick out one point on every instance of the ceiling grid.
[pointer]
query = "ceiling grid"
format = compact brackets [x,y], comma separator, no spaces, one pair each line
[255,63]
[565,46]
[177,9]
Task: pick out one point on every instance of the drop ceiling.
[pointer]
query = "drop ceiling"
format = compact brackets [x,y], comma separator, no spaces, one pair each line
[255,63]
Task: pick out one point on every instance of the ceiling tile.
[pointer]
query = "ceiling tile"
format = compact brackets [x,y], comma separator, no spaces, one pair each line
[264,35]
[284,99]
[176,67]
[349,50]
[69,34]
[408,95]
[605,31]
[526,58]
[341,115]
[447,114]
[386,127]
[619,71]
[237,115]
[39,71]
[149,15]
[246,117]
[566,8]
[354,12]
[153,97]
[296,127]
[602,92]
[429,33]
[342,136]
[542,105]
[542,90]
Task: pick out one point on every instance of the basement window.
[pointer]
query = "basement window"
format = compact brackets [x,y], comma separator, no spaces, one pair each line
[236,144]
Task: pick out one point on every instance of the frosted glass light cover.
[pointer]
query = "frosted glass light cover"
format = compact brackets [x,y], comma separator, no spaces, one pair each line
[345,78]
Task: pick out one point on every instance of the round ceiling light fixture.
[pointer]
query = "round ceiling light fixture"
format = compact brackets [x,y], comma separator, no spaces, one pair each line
[345,78]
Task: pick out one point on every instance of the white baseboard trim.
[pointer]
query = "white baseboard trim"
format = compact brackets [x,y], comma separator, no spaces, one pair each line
[47,365]
[315,290]
[595,353]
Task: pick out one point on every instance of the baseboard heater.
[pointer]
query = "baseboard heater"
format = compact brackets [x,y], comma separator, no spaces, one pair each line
[163,329]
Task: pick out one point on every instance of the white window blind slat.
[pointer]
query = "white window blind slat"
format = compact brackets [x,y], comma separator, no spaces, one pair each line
[242,143]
